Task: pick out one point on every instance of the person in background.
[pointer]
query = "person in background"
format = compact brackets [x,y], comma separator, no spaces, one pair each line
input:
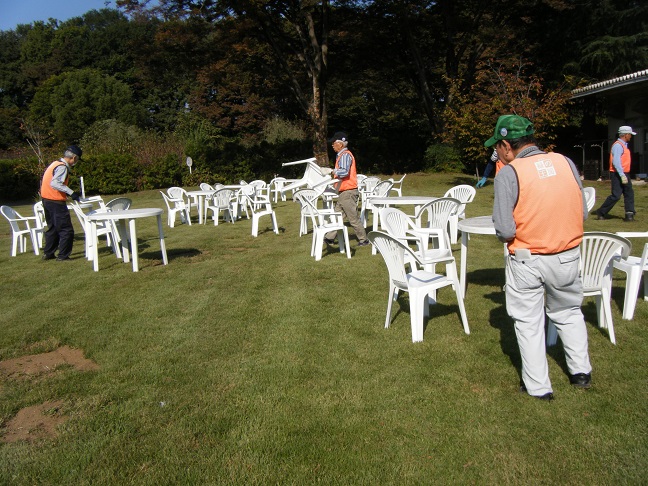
[494,162]
[538,212]
[620,161]
[347,187]
[54,192]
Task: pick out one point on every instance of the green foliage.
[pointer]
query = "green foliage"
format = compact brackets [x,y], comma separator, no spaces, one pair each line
[442,158]
[18,180]
[161,172]
[108,174]
[111,136]
[71,102]
[280,130]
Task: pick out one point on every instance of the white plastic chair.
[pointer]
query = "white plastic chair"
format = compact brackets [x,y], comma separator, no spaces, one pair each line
[176,205]
[205,187]
[436,215]
[276,188]
[260,206]
[590,197]
[119,204]
[598,250]
[380,190]
[464,194]
[305,209]
[634,267]
[20,228]
[420,284]
[105,228]
[397,186]
[40,224]
[182,200]
[222,200]
[325,221]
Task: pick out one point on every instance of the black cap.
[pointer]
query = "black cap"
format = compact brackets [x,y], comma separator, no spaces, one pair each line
[76,150]
[339,136]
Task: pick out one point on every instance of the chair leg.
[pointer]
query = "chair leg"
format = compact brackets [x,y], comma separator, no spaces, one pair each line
[417,303]
[393,295]
[462,307]
[631,292]
[275,226]
[343,238]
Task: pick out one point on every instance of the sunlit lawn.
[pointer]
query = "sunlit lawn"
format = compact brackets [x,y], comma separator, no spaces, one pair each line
[244,361]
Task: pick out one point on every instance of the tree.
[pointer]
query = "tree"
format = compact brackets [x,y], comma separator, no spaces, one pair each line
[70,102]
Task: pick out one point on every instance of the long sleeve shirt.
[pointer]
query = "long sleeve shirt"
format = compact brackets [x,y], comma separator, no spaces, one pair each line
[58,178]
[344,164]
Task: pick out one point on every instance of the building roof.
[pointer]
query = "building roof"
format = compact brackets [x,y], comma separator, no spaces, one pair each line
[638,77]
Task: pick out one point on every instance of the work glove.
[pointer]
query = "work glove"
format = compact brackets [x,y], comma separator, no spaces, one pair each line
[75,196]
[481,182]
[624,179]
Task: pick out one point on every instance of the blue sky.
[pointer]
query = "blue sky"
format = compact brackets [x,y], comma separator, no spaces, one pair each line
[14,12]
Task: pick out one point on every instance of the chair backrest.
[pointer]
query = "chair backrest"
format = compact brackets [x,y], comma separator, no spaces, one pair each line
[304,195]
[119,204]
[177,193]
[590,197]
[597,250]
[393,253]
[205,187]
[382,189]
[12,216]
[223,197]
[399,181]
[368,183]
[395,222]
[168,201]
[39,214]
[463,193]
[438,214]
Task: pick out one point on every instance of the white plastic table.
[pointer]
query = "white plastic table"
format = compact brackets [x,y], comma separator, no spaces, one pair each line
[480,225]
[121,217]
[380,202]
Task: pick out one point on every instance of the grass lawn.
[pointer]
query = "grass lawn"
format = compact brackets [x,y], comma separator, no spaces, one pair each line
[244,361]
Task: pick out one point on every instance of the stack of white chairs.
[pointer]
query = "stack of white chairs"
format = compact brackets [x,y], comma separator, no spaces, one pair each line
[223,200]
[464,194]
[421,285]
[20,229]
[177,202]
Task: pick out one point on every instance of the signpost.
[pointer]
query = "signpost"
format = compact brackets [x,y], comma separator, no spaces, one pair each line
[189,163]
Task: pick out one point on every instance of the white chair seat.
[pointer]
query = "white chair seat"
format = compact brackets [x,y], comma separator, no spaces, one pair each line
[20,229]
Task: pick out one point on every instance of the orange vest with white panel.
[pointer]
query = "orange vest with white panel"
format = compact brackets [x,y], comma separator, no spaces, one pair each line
[549,211]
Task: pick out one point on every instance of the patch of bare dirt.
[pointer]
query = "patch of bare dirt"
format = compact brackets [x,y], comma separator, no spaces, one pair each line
[40,421]
[34,423]
[33,365]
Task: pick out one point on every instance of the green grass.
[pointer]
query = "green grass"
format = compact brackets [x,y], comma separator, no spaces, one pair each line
[244,361]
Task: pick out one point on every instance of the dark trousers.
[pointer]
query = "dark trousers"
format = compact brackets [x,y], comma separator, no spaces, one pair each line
[618,189]
[60,232]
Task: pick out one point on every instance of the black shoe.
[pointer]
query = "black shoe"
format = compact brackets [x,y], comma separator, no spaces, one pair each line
[547,396]
[364,243]
[600,216]
[48,257]
[581,380]
[63,259]
[629,217]
[329,242]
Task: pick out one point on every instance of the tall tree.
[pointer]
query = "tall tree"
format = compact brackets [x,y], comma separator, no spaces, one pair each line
[297,33]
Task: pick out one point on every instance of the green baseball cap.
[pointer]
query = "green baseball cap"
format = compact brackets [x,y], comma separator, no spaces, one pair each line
[510,127]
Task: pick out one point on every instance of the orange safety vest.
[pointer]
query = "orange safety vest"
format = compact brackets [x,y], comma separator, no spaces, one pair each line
[626,158]
[549,210]
[498,166]
[47,191]
[351,180]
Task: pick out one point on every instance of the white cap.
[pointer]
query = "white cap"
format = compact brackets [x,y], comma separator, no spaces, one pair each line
[626,129]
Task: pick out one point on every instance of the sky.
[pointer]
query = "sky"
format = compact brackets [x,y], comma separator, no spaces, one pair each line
[14,12]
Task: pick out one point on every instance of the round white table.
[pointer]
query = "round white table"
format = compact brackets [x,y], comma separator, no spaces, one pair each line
[121,217]
[480,225]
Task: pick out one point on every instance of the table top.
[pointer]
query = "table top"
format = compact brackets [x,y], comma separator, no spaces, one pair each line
[415,200]
[482,225]
[201,192]
[125,214]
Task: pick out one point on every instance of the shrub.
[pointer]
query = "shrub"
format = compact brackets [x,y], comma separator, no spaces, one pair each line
[18,180]
[442,158]
[108,174]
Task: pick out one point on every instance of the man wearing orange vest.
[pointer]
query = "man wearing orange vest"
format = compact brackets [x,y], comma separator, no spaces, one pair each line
[54,191]
[539,211]
[620,161]
[347,203]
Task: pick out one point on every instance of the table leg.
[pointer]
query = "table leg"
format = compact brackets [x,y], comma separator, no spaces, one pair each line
[162,244]
[93,241]
[376,223]
[133,235]
[464,253]
[201,205]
